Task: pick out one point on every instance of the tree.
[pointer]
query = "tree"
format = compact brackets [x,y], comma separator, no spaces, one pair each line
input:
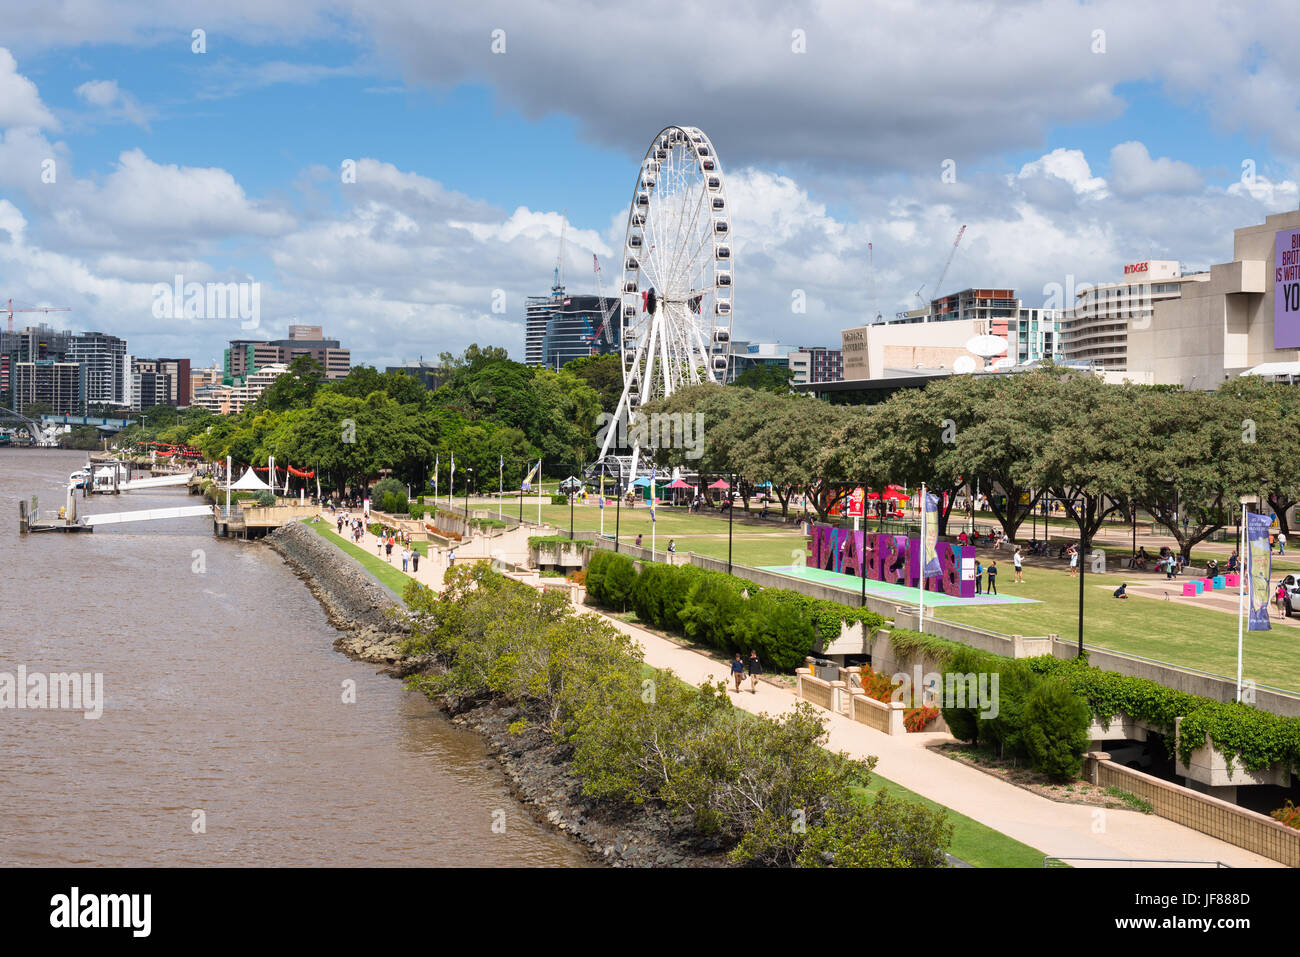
[605,376]
[295,388]
[766,377]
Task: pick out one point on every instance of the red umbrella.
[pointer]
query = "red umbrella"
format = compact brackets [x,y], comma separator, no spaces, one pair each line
[680,484]
[873,496]
[720,484]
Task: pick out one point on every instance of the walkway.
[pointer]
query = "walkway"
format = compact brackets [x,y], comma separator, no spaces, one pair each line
[1060,830]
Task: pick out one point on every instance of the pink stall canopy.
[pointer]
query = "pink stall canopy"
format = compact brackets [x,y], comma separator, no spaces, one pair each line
[680,484]
[720,483]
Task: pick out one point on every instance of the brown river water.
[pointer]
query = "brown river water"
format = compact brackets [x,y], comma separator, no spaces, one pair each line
[222,694]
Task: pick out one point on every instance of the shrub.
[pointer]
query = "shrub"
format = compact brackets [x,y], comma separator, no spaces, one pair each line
[1056,730]
[1288,814]
[386,487]
[559,499]
[779,632]
[265,497]
[620,576]
[886,833]
[711,605]
[596,576]
[647,593]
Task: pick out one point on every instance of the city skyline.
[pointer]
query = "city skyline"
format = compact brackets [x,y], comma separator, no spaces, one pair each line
[391,177]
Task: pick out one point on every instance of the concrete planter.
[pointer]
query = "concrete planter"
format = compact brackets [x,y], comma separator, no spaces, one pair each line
[1209,766]
[561,556]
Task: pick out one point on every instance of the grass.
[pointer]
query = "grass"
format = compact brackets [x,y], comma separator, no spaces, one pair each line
[1179,633]
[975,843]
[390,576]
[1132,800]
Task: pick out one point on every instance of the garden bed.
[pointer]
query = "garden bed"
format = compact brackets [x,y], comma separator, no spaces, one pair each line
[1023,776]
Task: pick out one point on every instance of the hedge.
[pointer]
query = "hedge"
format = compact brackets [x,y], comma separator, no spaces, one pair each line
[557,541]
[1259,739]
[722,611]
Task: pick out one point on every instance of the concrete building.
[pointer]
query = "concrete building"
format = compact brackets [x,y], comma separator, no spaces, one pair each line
[202,377]
[60,386]
[160,382]
[225,399]
[560,328]
[1241,317]
[884,350]
[1034,331]
[246,356]
[1095,331]
[106,376]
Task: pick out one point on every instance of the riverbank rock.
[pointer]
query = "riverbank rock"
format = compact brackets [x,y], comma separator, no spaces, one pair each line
[373,624]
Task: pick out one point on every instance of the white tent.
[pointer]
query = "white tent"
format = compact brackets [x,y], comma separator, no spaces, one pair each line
[1290,369]
[249,482]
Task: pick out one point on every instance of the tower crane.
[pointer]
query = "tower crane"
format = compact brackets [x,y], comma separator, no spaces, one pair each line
[606,315]
[938,282]
[46,309]
[558,287]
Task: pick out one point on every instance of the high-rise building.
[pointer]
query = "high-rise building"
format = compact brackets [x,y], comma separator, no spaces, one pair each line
[225,399]
[559,328]
[160,382]
[106,376]
[60,386]
[28,345]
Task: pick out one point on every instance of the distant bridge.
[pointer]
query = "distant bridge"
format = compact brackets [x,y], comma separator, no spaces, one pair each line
[103,423]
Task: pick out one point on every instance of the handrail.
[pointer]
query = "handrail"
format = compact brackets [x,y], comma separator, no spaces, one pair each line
[1135,860]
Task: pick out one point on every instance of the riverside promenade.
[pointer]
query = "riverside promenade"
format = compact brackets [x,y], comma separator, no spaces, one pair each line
[1055,828]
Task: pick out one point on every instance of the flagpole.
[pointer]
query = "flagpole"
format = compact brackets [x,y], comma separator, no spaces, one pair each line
[539,492]
[920,621]
[501,485]
[602,501]
[1241,591]
[437,461]
[652,515]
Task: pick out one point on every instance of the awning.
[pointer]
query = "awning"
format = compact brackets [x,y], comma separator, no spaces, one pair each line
[720,483]
[680,484]
[1275,369]
[249,482]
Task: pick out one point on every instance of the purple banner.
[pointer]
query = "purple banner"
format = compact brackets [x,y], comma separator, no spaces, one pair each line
[1259,562]
[1286,289]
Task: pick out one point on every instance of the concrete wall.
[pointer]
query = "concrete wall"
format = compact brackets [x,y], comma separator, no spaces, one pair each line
[1236,825]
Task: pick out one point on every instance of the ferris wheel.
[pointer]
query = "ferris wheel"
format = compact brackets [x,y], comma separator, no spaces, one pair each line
[678,288]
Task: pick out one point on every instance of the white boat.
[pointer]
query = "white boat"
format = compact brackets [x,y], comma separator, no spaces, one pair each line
[79,478]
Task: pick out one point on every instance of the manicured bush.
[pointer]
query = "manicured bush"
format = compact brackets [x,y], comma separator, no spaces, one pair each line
[711,605]
[557,499]
[1056,730]
[620,576]
[782,636]
[266,497]
[383,489]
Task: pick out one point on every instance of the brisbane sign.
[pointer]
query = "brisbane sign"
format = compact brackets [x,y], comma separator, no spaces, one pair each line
[894,559]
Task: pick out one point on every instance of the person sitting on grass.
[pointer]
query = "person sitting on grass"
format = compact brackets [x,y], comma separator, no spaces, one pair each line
[1121,591]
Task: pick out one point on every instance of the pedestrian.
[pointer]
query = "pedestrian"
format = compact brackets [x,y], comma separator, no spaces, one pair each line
[1074,561]
[1281,543]
[755,669]
[388,549]
[737,670]
[672,546]
[406,558]
[1018,560]
[415,560]
[340,524]
[638,539]
[379,549]
[1278,596]
[451,557]
[979,577]
[993,577]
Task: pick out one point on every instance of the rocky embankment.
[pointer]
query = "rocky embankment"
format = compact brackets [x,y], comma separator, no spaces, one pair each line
[372,623]
[373,626]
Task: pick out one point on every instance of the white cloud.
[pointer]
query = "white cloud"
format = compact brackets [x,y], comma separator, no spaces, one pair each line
[20,103]
[113,101]
[1134,173]
[1070,166]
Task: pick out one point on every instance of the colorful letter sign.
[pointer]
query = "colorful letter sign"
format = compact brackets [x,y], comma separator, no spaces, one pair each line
[892,558]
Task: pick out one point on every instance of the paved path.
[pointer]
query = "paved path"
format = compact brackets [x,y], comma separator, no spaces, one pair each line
[1057,829]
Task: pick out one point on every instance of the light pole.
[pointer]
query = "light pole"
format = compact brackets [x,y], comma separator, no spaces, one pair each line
[1083,554]
[730,508]
[572,496]
[618,505]
[468,478]
[521,502]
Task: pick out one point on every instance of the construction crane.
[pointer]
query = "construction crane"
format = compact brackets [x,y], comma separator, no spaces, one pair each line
[12,310]
[938,282]
[558,287]
[606,315]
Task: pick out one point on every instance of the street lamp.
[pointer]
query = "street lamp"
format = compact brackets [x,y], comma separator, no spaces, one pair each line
[572,496]
[618,505]
[730,509]
[468,479]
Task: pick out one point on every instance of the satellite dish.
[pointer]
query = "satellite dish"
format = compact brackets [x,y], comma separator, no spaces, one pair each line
[987,346]
[963,365]
[1006,362]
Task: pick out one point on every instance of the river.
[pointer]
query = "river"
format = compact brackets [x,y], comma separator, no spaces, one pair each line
[222,695]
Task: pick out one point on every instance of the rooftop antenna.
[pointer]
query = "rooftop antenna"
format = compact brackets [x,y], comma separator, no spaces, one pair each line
[558,287]
[871,267]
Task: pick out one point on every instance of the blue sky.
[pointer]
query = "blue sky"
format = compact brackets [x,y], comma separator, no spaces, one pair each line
[224,165]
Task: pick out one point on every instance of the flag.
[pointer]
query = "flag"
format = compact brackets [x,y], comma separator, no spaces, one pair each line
[652,495]
[1259,561]
[528,479]
[453,467]
[929,556]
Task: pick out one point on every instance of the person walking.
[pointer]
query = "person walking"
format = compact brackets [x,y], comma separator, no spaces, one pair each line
[415,560]
[993,577]
[1074,561]
[406,558]
[737,670]
[451,557]
[1018,560]
[755,668]
[1281,543]
[388,549]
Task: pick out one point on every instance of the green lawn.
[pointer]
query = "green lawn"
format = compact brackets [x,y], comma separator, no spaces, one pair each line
[975,843]
[1169,631]
[388,575]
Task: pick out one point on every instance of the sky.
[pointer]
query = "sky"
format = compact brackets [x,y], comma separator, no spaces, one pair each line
[399,171]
